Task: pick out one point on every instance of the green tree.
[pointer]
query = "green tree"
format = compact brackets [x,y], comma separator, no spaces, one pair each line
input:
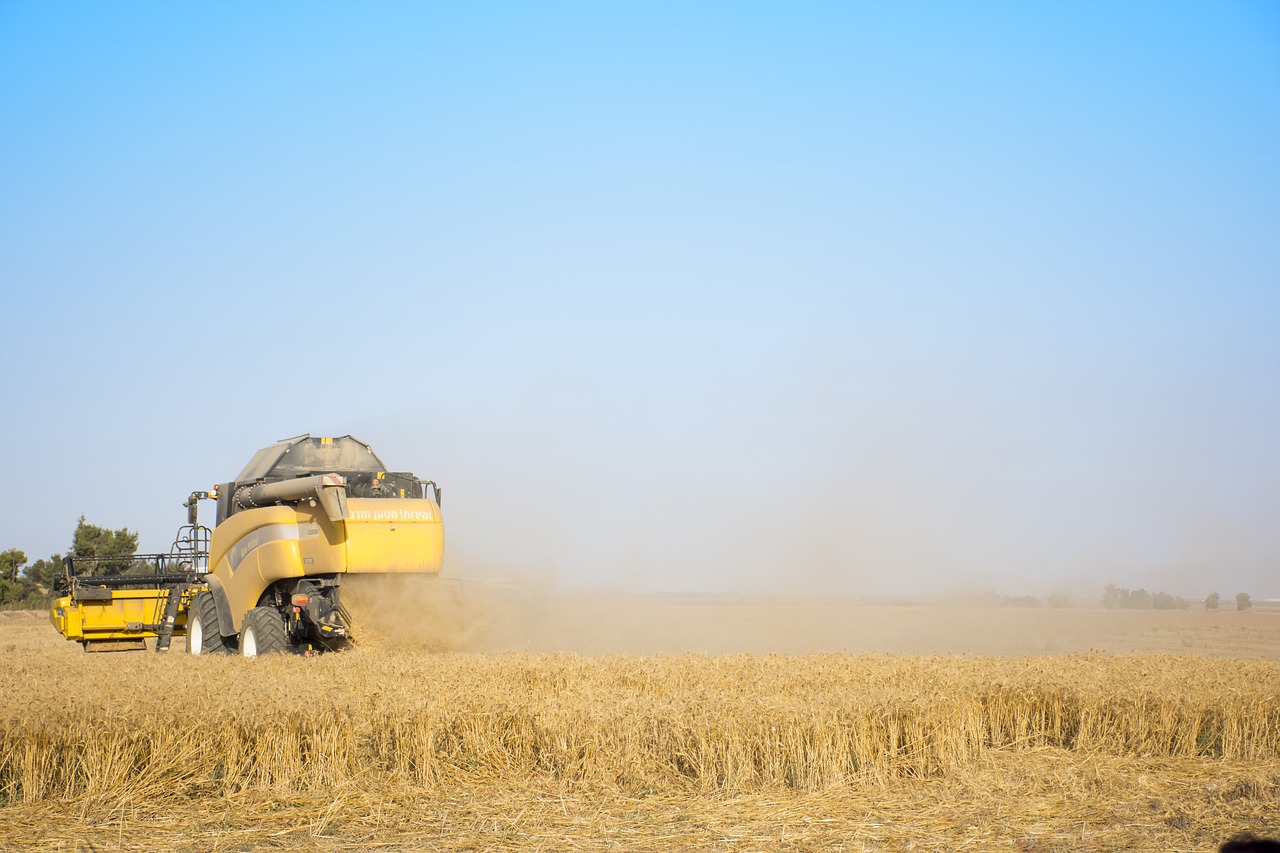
[14,589]
[10,561]
[1243,601]
[42,572]
[1211,601]
[114,548]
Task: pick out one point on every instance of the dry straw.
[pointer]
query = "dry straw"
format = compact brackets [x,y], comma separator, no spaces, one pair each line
[157,727]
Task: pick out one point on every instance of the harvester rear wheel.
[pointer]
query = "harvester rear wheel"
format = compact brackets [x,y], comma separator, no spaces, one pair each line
[203,636]
[262,633]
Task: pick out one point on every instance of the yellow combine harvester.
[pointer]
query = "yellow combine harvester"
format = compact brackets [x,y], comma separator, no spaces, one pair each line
[304,512]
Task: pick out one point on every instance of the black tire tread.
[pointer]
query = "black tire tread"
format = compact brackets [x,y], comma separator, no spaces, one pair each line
[268,631]
[206,609]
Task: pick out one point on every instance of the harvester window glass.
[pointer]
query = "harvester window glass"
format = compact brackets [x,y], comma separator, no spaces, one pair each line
[383,485]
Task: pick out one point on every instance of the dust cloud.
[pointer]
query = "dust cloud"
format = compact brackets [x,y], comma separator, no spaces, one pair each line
[437,614]
[419,611]
[902,479]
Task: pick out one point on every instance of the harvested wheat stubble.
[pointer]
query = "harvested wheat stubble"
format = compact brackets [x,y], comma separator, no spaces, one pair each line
[517,752]
[175,727]
[1030,800]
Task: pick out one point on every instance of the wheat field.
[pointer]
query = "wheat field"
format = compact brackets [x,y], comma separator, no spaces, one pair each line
[399,748]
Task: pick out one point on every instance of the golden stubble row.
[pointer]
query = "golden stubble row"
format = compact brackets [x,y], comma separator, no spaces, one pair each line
[150,727]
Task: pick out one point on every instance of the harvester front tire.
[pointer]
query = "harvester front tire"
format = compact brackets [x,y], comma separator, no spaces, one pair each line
[262,633]
[203,636]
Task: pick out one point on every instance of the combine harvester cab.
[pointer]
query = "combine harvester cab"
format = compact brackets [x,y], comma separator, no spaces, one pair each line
[304,512]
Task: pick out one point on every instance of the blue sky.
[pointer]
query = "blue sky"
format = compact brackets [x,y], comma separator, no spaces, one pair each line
[888,298]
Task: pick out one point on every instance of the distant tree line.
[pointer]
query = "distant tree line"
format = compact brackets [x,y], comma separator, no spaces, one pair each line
[1243,601]
[23,585]
[1139,599]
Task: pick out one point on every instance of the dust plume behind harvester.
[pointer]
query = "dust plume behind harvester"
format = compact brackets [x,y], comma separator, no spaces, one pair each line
[304,514]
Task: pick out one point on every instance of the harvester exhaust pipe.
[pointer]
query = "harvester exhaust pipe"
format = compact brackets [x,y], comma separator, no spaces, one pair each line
[330,490]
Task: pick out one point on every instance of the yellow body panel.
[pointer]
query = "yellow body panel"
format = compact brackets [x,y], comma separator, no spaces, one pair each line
[394,536]
[256,547]
[120,617]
